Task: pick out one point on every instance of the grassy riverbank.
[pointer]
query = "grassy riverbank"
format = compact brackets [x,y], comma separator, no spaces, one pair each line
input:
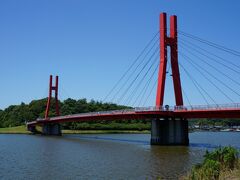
[220,164]
[23,130]
[14,130]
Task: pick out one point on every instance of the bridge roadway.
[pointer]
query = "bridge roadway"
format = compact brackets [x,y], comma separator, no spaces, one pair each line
[149,113]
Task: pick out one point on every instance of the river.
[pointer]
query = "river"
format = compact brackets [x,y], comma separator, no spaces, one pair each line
[103,156]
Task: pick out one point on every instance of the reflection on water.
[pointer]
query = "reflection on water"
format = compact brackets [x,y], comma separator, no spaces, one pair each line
[144,142]
[105,156]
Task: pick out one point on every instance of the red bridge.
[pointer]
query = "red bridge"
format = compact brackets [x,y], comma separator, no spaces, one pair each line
[169,124]
[223,111]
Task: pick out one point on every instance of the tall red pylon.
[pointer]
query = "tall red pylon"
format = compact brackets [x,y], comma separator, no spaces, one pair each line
[171,41]
[55,89]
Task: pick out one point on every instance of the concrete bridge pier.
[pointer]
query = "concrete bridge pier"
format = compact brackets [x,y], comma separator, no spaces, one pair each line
[51,129]
[32,129]
[169,132]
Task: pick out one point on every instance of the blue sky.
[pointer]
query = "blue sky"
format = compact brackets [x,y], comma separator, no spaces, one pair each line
[90,43]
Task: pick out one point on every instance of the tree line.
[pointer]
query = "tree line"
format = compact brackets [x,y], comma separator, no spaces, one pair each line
[16,115]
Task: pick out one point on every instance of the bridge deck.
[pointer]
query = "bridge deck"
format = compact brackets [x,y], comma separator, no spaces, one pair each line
[230,111]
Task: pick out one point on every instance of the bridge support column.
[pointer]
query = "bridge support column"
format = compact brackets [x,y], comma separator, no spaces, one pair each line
[32,129]
[52,129]
[169,132]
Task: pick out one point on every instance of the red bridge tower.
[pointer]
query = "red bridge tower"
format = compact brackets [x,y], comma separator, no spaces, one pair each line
[169,130]
[171,41]
[52,88]
[52,128]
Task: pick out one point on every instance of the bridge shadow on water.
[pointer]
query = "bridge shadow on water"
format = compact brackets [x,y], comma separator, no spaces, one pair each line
[117,140]
[141,142]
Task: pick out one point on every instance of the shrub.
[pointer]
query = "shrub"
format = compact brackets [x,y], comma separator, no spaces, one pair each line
[221,159]
[227,157]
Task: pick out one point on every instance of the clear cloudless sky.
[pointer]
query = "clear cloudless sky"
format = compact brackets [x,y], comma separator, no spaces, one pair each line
[90,43]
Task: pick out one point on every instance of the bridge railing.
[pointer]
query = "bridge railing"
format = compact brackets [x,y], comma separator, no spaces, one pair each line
[188,108]
[209,107]
[123,111]
[153,108]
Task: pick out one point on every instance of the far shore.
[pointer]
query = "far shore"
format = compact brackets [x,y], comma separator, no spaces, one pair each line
[23,130]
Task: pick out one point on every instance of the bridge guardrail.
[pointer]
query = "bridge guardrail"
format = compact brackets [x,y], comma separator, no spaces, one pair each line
[95,113]
[154,108]
[209,107]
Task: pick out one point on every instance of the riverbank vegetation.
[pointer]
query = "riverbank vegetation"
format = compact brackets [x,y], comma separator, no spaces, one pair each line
[222,163]
[18,115]
[109,125]
[23,130]
[14,130]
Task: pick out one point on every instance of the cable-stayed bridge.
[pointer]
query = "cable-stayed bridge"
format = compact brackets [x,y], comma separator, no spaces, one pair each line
[211,77]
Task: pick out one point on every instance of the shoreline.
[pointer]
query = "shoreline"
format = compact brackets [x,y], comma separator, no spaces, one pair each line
[23,130]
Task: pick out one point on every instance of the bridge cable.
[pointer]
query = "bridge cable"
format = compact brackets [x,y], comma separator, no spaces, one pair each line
[144,91]
[195,83]
[144,76]
[136,77]
[134,62]
[197,67]
[129,77]
[220,72]
[220,47]
[184,92]
[214,77]
[153,87]
[185,95]
[139,84]
[210,58]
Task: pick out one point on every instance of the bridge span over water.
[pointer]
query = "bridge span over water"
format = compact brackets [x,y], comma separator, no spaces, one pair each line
[156,114]
[169,124]
[220,111]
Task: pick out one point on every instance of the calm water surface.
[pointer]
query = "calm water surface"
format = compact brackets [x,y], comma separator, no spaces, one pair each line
[108,156]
